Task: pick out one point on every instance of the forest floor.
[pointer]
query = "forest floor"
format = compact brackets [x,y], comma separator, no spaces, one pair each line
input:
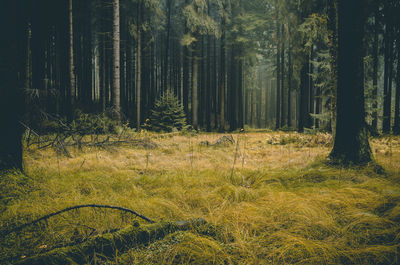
[270,195]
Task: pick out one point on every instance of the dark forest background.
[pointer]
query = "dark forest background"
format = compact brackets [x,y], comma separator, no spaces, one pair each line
[262,63]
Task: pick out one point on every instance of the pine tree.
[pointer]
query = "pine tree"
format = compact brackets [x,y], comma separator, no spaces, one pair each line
[167,115]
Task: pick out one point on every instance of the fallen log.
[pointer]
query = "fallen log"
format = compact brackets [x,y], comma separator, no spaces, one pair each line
[108,245]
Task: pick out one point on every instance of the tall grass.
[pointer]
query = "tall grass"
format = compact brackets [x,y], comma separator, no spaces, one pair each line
[282,205]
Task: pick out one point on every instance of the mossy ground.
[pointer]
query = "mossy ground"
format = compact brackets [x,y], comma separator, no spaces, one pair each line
[279,204]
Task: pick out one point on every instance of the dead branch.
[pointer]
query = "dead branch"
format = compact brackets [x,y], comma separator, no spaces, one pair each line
[19,228]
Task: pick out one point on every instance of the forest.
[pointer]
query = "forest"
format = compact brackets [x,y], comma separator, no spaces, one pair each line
[200,132]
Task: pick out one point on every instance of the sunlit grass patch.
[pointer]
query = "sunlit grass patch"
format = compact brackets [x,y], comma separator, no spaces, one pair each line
[272,203]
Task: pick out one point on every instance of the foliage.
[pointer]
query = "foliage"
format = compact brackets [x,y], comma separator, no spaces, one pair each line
[167,115]
[86,124]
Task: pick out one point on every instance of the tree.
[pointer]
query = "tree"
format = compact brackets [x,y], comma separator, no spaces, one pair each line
[139,65]
[71,59]
[167,114]
[116,59]
[12,67]
[351,144]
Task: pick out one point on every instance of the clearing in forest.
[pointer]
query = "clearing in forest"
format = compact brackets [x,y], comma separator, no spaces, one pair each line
[267,198]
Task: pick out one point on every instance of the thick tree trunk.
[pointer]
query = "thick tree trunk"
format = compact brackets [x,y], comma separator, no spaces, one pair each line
[12,68]
[351,144]
[116,60]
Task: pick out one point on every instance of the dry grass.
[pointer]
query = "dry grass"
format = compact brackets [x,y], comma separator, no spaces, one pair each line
[281,205]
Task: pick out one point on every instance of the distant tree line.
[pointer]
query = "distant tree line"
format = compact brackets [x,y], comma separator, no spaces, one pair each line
[264,63]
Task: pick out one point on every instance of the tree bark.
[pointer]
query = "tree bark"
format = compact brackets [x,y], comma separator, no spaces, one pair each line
[396,128]
[138,66]
[116,60]
[375,57]
[351,144]
[278,75]
[12,69]
[222,77]
[71,62]
[195,99]
[387,91]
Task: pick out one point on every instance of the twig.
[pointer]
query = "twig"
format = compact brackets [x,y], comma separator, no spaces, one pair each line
[43,218]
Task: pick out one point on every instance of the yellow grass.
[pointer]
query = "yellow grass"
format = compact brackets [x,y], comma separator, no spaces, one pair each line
[279,205]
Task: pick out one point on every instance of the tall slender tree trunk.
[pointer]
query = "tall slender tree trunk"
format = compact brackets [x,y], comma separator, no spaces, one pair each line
[215,85]
[278,74]
[195,99]
[116,60]
[333,47]
[282,75]
[222,77]
[103,76]
[71,62]
[375,74]
[396,127]
[351,144]
[139,66]
[167,44]
[304,115]
[387,91]
[289,79]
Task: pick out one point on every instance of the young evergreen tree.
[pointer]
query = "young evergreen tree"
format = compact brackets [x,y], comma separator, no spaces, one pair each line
[167,114]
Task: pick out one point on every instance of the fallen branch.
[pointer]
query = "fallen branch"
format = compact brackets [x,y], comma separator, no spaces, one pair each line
[19,228]
[107,245]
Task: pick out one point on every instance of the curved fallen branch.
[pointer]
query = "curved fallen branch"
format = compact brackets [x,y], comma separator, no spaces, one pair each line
[19,228]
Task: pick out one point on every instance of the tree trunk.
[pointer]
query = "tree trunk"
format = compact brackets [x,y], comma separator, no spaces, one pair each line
[278,75]
[289,81]
[138,66]
[351,144]
[396,128]
[71,62]
[195,100]
[375,54]
[282,75]
[12,68]
[387,92]
[167,44]
[304,116]
[116,60]
[333,47]
[222,76]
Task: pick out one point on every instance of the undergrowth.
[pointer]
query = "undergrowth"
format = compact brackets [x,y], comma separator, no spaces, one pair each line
[281,204]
